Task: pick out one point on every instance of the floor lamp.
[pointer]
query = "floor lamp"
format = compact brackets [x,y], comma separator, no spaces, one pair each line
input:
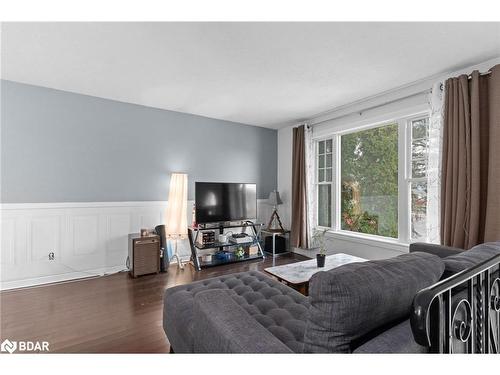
[176,222]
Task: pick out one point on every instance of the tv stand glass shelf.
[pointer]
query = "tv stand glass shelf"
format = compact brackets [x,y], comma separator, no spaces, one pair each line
[224,252]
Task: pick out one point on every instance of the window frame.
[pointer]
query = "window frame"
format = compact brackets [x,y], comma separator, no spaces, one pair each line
[404,122]
[317,183]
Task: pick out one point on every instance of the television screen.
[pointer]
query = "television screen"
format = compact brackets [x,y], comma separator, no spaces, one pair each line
[218,202]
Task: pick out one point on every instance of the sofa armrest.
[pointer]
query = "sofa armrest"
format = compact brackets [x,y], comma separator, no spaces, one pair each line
[439,250]
[223,326]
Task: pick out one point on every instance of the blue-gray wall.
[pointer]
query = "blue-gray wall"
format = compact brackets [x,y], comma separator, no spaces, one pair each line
[58,146]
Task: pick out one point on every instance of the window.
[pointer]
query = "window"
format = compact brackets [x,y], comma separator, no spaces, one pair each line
[369,181]
[418,160]
[324,180]
[374,181]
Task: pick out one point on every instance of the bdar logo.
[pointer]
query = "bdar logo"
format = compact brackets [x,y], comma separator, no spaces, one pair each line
[24,346]
[8,346]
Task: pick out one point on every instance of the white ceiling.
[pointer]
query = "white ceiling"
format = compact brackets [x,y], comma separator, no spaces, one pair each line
[264,74]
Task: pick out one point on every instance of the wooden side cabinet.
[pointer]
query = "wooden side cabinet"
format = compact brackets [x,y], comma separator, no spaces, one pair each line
[143,254]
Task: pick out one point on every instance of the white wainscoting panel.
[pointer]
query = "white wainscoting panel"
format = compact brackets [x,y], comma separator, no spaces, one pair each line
[116,225]
[8,236]
[85,234]
[44,235]
[87,239]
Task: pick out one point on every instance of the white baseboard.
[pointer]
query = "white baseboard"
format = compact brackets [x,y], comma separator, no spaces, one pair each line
[70,276]
[85,237]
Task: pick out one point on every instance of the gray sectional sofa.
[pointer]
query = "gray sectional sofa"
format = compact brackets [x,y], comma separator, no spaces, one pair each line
[356,308]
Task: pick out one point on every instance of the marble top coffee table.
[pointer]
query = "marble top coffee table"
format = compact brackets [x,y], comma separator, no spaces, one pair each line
[297,275]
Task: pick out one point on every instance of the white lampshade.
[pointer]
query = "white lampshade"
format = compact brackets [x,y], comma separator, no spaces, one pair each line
[176,221]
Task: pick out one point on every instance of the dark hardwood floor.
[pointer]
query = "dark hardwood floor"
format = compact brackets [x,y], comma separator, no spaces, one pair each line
[110,314]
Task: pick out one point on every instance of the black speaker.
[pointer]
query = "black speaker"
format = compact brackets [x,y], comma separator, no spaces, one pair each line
[164,261]
[280,245]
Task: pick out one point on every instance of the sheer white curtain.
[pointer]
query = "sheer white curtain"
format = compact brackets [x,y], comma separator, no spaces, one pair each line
[434,164]
[310,176]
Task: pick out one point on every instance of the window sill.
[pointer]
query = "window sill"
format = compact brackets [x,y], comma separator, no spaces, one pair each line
[366,239]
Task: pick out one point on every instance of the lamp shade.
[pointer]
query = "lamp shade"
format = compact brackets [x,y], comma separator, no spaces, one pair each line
[274,198]
[176,221]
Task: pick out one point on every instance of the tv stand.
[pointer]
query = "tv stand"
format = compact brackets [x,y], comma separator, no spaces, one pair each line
[223,247]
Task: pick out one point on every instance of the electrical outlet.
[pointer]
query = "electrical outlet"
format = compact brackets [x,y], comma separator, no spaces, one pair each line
[52,255]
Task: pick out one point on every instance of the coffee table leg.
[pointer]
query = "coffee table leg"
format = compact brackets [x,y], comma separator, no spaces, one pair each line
[303,289]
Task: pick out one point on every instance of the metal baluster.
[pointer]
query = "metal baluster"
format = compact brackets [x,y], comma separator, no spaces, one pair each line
[449,323]
[442,325]
[498,334]
[487,318]
[479,313]
[470,286]
[493,311]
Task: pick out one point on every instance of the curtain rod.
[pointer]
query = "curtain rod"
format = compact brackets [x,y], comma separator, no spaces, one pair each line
[427,91]
[469,76]
[481,74]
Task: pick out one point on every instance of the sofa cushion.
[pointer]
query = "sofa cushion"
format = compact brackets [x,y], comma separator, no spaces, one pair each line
[349,302]
[398,339]
[470,258]
[431,248]
[280,309]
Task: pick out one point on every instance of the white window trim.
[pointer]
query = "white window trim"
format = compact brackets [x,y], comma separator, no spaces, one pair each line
[317,183]
[403,191]
[403,119]
[369,239]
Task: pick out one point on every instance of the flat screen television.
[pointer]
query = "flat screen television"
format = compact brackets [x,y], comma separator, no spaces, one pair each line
[221,201]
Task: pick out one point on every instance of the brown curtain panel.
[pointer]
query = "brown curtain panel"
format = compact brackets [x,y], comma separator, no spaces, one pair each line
[299,235]
[470,180]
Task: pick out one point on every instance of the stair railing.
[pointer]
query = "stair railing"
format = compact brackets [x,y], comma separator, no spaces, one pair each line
[460,314]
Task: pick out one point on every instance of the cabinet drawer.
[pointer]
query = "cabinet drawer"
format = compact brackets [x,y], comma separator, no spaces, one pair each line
[146,257]
[147,241]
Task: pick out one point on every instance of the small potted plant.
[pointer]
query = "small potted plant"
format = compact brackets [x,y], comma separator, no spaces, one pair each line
[319,241]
